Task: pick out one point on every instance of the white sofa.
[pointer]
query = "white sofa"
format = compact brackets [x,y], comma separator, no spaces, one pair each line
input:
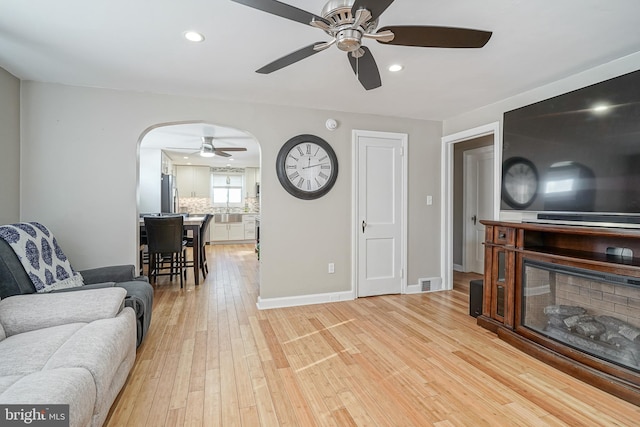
[73,348]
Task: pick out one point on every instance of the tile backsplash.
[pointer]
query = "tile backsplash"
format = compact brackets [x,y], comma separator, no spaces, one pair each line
[193,205]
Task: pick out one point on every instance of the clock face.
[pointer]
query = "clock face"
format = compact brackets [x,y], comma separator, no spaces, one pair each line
[307,166]
[519,182]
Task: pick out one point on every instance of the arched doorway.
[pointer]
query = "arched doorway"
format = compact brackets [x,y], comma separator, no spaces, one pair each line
[196,168]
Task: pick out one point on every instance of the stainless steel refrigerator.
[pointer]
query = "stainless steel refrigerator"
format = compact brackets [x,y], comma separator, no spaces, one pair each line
[168,194]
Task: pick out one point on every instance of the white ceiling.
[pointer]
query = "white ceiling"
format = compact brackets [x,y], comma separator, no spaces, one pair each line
[138,45]
[182,143]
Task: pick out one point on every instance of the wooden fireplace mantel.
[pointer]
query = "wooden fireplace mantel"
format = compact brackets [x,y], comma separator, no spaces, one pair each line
[606,250]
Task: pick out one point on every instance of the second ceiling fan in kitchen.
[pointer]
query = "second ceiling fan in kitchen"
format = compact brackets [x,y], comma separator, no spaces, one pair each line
[348,22]
[207,149]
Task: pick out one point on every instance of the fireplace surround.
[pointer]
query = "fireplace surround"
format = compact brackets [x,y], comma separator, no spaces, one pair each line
[569,296]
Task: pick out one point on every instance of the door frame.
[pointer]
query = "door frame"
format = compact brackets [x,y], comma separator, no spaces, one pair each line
[446,190]
[404,138]
[466,155]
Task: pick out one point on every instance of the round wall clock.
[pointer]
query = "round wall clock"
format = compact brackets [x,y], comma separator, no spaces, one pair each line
[307,167]
[519,182]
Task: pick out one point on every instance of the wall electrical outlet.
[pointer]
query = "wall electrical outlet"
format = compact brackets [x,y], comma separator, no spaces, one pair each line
[429,200]
[332,268]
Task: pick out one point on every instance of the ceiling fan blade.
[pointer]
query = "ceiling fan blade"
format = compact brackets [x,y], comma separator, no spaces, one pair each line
[289,59]
[231,149]
[283,10]
[428,36]
[366,69]
[221,153]
[376,7]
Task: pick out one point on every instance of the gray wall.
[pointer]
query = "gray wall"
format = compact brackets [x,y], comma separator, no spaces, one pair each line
[458,191]
[494,112]
[81,180]
[9,148]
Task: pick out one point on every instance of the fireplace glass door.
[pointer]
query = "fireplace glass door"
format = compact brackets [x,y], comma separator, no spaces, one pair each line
[596,313]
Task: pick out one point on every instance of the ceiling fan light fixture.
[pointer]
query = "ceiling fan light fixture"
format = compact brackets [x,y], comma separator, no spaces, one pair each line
[394,68]
[207,150]
[193,36]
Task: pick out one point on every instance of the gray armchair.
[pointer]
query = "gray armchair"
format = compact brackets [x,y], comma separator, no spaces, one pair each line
[14,280]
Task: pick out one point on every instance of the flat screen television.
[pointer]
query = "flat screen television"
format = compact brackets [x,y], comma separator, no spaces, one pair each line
[576,155]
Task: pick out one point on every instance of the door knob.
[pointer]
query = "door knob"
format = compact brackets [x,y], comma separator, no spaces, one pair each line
[474,219]
[364,224]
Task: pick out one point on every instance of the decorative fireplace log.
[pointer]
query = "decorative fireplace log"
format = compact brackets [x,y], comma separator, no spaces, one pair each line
[573,321]
[621,327]
[594,347]
[590,329]
[564,310]
[557,321]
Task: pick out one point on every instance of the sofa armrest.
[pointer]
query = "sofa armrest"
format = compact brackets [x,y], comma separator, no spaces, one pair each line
[23,313]
[114,273]
[86,287]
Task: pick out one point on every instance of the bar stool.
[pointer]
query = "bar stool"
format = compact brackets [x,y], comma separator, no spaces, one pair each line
[204,230]
[165,243]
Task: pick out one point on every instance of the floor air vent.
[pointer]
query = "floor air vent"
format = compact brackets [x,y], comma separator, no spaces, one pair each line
[429,285]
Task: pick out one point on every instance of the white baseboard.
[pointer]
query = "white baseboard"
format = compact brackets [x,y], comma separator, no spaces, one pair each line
[458,267]
[267,303]
[414,289]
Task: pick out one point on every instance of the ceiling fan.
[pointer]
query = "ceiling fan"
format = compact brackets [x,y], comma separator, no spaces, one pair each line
[349,21]
[207,149]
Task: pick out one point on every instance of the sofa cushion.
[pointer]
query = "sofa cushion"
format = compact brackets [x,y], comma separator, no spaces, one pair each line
[26,353]
[72,386]
[100,347]
[8,381]
[24,313]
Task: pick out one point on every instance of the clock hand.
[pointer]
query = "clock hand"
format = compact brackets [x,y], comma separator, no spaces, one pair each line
[319,164]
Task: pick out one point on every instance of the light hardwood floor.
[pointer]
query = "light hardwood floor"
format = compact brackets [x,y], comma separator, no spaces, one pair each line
[212,359]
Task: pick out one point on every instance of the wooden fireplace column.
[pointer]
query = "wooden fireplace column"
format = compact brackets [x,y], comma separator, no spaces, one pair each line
[507,244]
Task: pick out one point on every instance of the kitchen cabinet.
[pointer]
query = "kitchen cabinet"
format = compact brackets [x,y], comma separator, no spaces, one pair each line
[251,179]
[227,231]
[249,222]
[194,181]
[233,231]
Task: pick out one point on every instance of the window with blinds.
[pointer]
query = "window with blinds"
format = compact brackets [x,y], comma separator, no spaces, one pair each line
[227,190]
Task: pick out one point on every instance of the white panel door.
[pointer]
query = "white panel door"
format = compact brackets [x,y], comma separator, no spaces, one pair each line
[380,210]
[478,188]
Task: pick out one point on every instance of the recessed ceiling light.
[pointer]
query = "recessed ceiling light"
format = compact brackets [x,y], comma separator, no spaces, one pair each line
[193,36]
[185,157]
[395,68]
